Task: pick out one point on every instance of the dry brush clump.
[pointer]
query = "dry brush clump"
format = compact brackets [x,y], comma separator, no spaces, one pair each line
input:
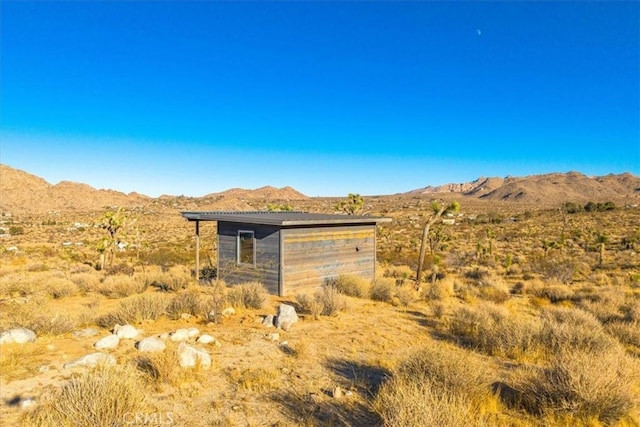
[121,286]
[135,310]
[190,302]
[351,285]
[327,301]
[586,386]
[437,385]
[104,396]
[382,289]
[494,330]
[247,295]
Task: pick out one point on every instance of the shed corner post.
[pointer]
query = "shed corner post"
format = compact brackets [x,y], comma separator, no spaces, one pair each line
[197,251]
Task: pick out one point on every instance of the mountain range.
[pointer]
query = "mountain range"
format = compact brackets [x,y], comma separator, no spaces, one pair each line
[21,191]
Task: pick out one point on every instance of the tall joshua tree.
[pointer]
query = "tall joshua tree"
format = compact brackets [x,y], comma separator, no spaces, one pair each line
[438,209]
[353,205]
[112,223]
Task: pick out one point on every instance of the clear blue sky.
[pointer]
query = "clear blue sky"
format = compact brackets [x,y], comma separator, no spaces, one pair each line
[328,97]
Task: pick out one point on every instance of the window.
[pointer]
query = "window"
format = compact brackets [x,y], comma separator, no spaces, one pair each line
[246,247]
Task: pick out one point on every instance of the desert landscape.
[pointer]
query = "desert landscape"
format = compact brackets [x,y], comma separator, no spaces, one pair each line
[527,311]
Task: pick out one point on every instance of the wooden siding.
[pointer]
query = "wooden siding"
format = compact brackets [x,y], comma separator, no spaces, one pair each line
[312,255]
[267,255]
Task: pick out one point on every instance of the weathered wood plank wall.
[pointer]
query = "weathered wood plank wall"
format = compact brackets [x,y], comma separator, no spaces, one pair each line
[313,255]
[266,270]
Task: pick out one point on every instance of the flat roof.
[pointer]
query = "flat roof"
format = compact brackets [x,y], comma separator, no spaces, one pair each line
[282,218]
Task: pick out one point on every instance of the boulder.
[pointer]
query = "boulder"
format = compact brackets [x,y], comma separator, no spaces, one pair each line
[286,316]
[268,321]
[18,336]
[126,332]
[190,356]
[92,360]
[107,343]
[180,335]
[205,339]
[151,344]
[193,332]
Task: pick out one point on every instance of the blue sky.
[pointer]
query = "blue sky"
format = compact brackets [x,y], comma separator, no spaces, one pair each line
[329,97]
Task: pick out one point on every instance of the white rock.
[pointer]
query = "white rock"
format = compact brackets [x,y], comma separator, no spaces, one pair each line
[92,360]
[286,317]
[190,356]
[273,337]
[18,336]
[193,332]
[229,311]
[107,343]
[268,321]
[126,332]
[164,336]
[205,339]
[179,335]
[151,344]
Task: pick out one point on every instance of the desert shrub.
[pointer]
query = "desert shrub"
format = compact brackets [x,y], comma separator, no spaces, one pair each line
[406,295]
[491,329]
[435,386]
[626,332]
[17,285]
[169,279]
[120,286]
[190,302]
[61,287]
[331,301]
[583,385]
[554,293]
[35,316]
[382,290]
[135,309]
[309,305]
[256,379]
[572,329]
[104,396]
[247,295]
[351,285]
[605,305]
[559,268]
[160,368]
[439,290]
[86,282]
[121,268]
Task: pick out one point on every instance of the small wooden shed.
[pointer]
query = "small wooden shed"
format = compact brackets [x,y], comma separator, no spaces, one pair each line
[289,252]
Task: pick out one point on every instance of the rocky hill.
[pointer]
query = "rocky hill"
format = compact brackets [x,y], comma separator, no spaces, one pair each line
[23,192]
[550,188]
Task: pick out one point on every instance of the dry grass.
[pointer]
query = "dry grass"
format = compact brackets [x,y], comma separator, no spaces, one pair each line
[353,286]
[382,290]
[105,396]
[190,302]
[135,310]
[247,295]
[583,385]
[436,386]
[256,379]
[121,286]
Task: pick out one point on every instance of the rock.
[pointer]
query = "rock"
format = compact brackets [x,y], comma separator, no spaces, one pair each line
[18,336]
[92,360]
[27,402]
[126,332]
[179,335]
[85,333]
[151,344]
[164,336]
[229,311]
[205,339]
[193,332]
[337,393]
[268,321]
[286,317]
[190,356]
[273,337]
[107,343]
[185,316]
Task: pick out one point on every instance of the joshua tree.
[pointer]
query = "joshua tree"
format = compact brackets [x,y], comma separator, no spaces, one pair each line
[112,223]
[438,209]
[352,206]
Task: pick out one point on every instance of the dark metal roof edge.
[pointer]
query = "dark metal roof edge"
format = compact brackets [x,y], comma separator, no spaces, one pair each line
[230,216]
